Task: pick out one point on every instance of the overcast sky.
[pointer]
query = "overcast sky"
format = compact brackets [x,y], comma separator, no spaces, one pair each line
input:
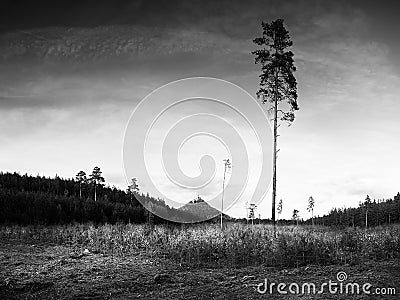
[71,75]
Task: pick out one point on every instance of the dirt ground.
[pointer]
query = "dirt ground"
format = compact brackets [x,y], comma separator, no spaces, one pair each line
[42,271]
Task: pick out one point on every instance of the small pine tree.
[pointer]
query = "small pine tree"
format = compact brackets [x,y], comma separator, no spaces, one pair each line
[133,187]
[295,216]
[96,179]
[310,208]
[81,178]
[367,206]
[279,208]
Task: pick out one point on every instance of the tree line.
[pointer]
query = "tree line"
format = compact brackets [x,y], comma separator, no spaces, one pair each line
[369,213]
[26,199]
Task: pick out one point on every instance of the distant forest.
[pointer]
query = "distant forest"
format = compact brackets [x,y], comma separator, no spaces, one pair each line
[369,213]
[26,199]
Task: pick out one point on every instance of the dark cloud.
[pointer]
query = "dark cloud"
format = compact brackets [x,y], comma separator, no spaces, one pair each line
[68,65]
[230,17]
[92,30]
[105,42]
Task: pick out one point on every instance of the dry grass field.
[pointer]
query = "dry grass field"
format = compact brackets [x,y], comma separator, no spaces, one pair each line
[190,262]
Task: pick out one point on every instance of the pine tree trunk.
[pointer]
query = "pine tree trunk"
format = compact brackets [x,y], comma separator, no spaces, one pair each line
[150,219]
[95,196]
[312,217]
[274,162]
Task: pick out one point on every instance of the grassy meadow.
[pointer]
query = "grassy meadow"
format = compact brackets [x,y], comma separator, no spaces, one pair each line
[238,245]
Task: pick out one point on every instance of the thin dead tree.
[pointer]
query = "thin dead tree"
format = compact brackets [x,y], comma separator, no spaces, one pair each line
[227,165]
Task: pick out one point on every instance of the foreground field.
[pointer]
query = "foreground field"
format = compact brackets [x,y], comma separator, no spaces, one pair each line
[53,263]
[238,245]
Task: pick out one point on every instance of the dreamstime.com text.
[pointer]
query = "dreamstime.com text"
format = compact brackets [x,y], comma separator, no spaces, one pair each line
[330,287]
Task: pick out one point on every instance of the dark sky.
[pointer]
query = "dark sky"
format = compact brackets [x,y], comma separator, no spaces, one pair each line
[28,14]
[384,23]
[382,15]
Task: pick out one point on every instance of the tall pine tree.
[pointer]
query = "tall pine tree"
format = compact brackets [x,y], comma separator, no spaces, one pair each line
[277,82]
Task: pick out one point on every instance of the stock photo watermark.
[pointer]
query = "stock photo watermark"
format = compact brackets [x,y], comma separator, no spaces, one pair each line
[179,135]
[340,286]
